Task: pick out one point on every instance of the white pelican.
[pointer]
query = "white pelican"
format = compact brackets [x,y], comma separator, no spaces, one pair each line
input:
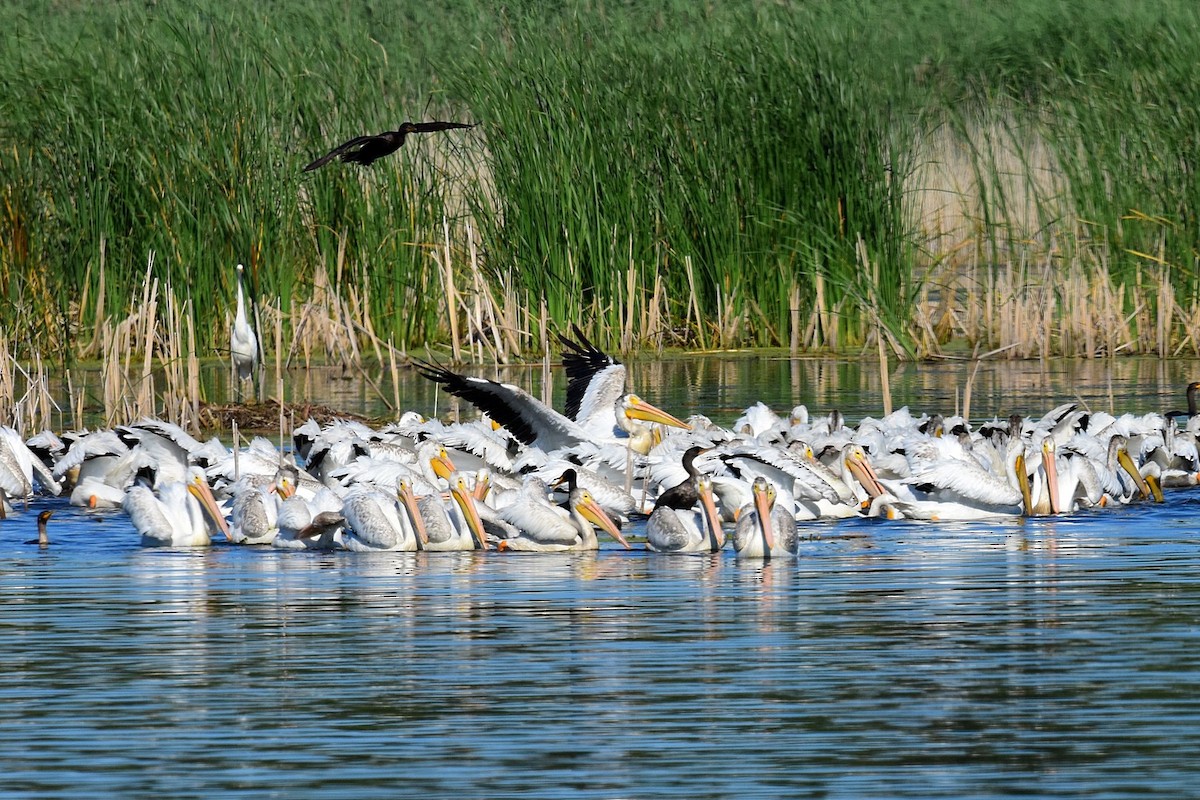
[674,527]
[766,529]
[454,528]
[90,453]
[254,514]
[19,467]
[1119,476]
[94,491]
[243,344]
[312,524]
[374,521]
[532,422]
[947,483]
[544,527]
[1063,481]
[179,514]
[759,422]
[806,480]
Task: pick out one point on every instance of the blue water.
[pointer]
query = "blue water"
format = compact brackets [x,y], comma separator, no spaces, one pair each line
[1035,658]
[892,659]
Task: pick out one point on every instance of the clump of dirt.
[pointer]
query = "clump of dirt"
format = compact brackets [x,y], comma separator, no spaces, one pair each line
[265,416]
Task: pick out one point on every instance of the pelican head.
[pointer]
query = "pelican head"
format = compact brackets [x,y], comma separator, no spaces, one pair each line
[764,501]
[591,511]
[634,407]
[861,468]
[716,532]
[465,500]
[443,467]
[198,488]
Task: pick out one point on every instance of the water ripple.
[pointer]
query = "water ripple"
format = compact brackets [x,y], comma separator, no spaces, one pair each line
[1035,658]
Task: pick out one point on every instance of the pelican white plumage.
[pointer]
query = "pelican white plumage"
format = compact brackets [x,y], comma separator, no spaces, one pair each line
[815,488]
[254,513]
[674,527]
[767,528]
[374,521]
[243,344]
[310,523]
[19,467]
[532,422]
[948,484]
[544,527]
[177,514]
[444,527]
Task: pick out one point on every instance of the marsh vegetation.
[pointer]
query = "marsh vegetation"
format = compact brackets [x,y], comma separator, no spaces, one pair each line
[1017,178]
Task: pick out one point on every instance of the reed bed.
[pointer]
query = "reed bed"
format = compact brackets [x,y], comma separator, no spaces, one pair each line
[936,177]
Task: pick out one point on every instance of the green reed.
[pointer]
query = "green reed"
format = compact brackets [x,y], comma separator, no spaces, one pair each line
[766,145]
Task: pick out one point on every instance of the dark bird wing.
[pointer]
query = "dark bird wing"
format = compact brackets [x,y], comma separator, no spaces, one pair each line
[435,125]
[357,141]
[582,361]
[528,419]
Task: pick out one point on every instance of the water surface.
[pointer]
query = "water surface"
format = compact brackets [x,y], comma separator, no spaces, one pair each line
[1037,658]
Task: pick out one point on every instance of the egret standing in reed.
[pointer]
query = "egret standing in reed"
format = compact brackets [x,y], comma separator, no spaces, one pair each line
[243,344]
[366,150]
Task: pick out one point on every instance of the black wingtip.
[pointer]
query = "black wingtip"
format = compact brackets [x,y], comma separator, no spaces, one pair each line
[431,370]
[320,162]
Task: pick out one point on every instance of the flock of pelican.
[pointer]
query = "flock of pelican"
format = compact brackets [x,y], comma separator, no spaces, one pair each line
[525,477]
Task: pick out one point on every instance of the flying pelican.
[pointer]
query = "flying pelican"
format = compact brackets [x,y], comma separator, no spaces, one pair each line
[767,529]
[175,515]
[243,344]
[43,539]
[366,150]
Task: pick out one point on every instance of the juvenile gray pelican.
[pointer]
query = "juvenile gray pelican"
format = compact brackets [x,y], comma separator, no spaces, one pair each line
[178,514]
[767,528]
[243,344]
